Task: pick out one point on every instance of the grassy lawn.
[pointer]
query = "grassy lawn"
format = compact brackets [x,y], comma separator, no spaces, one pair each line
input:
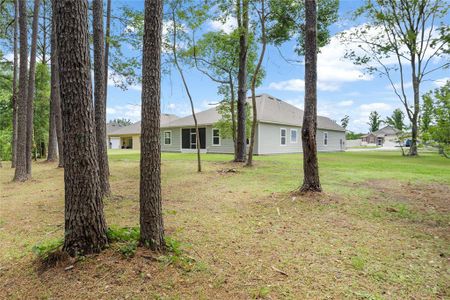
[381,230]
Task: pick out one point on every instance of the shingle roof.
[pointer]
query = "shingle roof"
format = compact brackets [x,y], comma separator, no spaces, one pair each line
[112,126]
[135,128]
[270,110]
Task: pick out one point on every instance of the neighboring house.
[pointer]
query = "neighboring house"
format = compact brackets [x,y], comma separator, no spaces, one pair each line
[128,137]
[386,136]
[111,127]
[278,131]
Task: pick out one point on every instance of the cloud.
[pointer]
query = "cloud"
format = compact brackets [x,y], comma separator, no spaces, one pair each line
[346,103]
[378,106]
[441,82]
[293,85]
[227,25]
[129,111]
[398,85]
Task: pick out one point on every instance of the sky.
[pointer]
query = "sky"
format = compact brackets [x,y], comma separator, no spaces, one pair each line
[343,88]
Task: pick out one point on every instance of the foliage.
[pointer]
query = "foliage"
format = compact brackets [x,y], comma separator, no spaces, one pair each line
[287,21]
[437,126]
[177,256]
[413,34]
[123,234]
[396,120]
[374,121]
[225,123]
[5,111]
[344,121]
[122,121]
[350,135]
[44,249]
[124,239]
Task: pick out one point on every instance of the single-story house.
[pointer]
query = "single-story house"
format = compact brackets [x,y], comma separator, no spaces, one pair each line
[110,128]
[386,136]
[128,137]
[278,130]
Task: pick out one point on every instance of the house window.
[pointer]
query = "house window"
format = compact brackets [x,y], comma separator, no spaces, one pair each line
[283,136]
[325,138]
[167,137]
[294,136]
[216,137]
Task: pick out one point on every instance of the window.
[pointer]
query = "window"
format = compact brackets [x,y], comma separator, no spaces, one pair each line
[216,137]
[294,136]
[283,136]
[325,138]
[167,137]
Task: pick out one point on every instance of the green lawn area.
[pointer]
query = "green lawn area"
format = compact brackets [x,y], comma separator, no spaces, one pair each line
[381,230]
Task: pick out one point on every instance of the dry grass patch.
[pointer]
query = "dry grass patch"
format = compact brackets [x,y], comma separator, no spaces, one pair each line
[242,235]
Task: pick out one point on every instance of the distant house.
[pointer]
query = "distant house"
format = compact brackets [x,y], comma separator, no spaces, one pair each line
[278,131]
[128,137]
[386,136]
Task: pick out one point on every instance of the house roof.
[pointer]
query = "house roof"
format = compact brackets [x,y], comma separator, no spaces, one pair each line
[387,130]
[270,110]
[135,128]
[112,127]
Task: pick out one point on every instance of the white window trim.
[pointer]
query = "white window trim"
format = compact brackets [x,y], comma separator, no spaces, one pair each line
[164,137]
[212,138]
[325,134]
[285,137]
[290,135]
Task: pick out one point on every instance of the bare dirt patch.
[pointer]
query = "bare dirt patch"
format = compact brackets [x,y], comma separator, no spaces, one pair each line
[424,197]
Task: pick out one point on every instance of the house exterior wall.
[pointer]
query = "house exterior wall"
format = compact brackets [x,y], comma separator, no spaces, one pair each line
[269,139]
[334,141]
[226,145]
[175,145]
[136,142]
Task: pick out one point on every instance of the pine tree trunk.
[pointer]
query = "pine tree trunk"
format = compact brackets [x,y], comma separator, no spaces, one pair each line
[52,153]
[241,142]
[14,97]
[55,90]
[99,96]
[21,147]
[311,181]
[151,221]
[31,84]
[107,36]
[85,226]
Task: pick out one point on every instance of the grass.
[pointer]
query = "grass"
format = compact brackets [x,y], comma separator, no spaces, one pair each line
[380,231]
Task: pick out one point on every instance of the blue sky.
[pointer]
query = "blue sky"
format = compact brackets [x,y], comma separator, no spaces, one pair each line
[343,88]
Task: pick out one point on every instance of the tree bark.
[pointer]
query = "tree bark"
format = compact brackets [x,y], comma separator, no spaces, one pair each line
[55,90]
[241,142]
[107,37]
[99,96]
[14,93]
[85,226]
[151,220]
[31,87]
[415,117]
[262,19]
[52,153]
[20,173]
[311,181]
